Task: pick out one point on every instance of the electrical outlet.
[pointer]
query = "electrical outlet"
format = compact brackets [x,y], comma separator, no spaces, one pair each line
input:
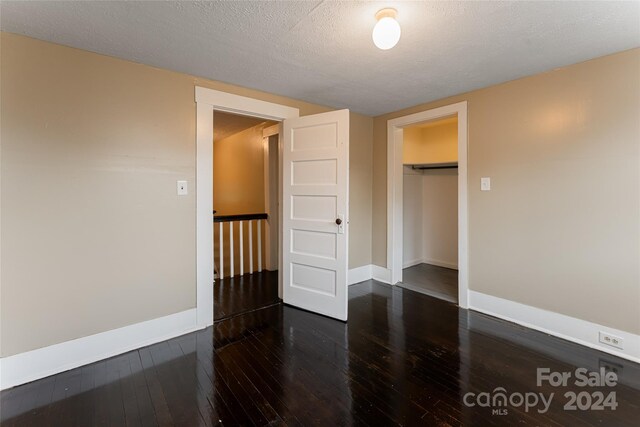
[611,340]
[182,188]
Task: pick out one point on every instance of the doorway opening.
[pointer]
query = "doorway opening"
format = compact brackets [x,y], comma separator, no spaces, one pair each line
[313,179]
[430,208]
[245,205]
[436,232]
[208,101]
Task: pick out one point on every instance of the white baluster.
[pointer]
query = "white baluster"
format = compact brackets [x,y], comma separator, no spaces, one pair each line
[231,247]
[259,247]
[241,251]
[221,251]
[250,247]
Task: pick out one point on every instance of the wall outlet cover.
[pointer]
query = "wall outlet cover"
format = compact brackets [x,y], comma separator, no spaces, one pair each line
[182,188]
[485,184]
[611,340]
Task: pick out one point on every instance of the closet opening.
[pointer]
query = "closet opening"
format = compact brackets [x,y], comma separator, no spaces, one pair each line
[430,208]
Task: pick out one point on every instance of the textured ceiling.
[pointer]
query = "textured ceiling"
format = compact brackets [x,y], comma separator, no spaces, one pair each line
[226,124]
[321,51]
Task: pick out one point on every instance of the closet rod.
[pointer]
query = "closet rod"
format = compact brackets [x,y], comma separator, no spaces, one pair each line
[414,167]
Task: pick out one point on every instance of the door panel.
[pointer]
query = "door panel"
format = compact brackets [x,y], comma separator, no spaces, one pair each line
[315,209]
[314,137]
[315,199]
[313,279]
[314,172]
[314,243]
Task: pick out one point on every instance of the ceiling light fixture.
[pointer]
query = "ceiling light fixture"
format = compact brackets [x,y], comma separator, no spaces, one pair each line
[386,33]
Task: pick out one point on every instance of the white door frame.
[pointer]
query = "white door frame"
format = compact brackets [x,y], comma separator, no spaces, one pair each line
[394,192]
[271,200]
[208,100]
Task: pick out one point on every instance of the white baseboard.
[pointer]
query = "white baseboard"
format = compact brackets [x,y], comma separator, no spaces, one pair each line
[370,271]
[451,265]
[562,326]
[381,274]
[359,274]
[43,362]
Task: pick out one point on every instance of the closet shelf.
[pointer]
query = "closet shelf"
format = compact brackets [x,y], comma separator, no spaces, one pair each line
[423,166]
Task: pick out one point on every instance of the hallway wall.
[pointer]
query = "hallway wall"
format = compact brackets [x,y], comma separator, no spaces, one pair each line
[238,173]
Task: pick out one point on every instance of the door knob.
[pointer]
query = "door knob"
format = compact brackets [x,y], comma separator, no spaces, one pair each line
[338,221]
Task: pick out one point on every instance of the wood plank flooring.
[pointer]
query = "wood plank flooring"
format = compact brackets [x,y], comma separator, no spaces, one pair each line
[432,280]
[241,294]
[403,358]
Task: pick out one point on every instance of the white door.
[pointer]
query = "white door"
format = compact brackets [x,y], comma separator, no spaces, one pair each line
[315,199]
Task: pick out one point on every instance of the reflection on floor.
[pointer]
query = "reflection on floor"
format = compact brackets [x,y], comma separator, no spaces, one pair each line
[241,294]
[432,280]
[402,359]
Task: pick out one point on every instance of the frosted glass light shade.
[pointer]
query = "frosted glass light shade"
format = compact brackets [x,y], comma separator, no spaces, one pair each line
[386,33]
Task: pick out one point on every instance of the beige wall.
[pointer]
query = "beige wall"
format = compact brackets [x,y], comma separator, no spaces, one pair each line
[434,143]
[238,173]
[93,234]
[559,230]
[440,217]
[360,191]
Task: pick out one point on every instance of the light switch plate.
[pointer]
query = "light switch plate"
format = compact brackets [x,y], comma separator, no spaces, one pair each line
[485,184]
[182,188]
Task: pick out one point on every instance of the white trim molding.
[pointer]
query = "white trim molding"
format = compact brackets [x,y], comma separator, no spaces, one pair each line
[381,274]
[230,103]
[43,362]
[359,274]
[439,263]
[435,262]
[556,324]
[394,192]
[204,214]
[272,130]
[208,101]
[367,272]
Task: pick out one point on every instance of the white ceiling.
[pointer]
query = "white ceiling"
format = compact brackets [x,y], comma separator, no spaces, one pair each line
[321,51]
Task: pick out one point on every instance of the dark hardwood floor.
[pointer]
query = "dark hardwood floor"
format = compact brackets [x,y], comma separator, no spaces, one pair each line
[432,280]
[241,294]
[403,358]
